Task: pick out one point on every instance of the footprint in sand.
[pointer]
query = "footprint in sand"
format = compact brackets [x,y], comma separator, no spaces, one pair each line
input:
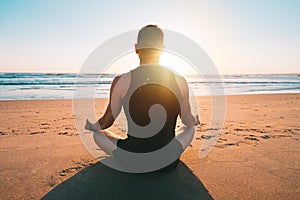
[206,137]
[37,132]
[265,137]
[251,137]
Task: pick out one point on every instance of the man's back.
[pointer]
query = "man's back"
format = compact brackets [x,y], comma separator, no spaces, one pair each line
[151,105]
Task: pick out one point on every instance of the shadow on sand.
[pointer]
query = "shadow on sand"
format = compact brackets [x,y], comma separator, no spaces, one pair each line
[101,182]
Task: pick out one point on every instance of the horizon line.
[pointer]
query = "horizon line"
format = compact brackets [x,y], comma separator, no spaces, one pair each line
[259,73]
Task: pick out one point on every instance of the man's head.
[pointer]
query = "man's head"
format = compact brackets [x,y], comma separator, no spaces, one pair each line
[150,41]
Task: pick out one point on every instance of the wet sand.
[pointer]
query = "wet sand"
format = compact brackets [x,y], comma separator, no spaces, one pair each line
[256,156]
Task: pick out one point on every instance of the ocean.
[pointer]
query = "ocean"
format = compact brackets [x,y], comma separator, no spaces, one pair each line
[20,86]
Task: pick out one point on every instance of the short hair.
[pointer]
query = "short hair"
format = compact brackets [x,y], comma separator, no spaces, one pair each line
[150,37]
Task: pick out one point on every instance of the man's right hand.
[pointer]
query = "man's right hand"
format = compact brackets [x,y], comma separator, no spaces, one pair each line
[92,127]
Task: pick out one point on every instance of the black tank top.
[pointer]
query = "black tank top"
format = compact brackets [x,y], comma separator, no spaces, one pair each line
[152,87]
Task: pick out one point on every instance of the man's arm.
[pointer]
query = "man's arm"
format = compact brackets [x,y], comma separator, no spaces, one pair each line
[109,117]
[112,110]
[186,116]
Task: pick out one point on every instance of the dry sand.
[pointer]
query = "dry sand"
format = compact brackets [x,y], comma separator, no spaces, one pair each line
[256,157]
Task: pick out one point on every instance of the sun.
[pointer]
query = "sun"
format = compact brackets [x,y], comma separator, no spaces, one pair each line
[177,64]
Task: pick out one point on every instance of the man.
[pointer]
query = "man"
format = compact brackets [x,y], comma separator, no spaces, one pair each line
[152,98]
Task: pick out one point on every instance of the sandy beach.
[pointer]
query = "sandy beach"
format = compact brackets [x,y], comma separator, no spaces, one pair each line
[256,157]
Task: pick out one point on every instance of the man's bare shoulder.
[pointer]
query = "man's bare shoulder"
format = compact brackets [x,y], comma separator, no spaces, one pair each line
[180,79]
[182,84]
[121,84]
[121,78]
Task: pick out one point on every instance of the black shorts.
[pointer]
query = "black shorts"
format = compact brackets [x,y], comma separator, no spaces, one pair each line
[176,150]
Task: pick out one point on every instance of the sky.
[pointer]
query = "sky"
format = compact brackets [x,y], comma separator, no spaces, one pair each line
[240,36]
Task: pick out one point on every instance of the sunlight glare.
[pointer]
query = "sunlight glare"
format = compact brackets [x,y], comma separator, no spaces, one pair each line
[177,64]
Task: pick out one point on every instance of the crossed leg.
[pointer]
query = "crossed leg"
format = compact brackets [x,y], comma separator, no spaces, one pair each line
[185,135]
[107,140]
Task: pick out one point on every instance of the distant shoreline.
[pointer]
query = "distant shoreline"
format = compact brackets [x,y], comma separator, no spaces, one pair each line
[221,74]
[18,86]
[106,99]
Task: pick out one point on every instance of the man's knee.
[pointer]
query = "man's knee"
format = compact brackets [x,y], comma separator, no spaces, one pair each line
[186,136]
